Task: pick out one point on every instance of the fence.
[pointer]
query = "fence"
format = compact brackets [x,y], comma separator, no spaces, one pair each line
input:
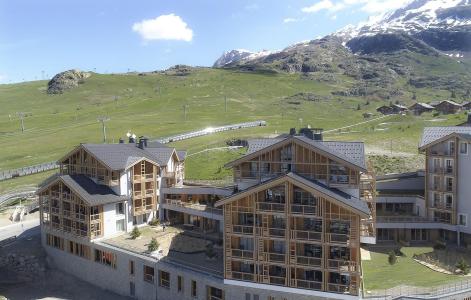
[28,170]
[210,130]
[23,193]
[457,287]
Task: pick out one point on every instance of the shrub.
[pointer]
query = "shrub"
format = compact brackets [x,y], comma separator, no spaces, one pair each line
[392,259]
[135,233]
[398,252]
[153,245]
[154,222]
[463,266]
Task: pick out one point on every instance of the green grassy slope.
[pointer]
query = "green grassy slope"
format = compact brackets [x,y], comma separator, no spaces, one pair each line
[60,122]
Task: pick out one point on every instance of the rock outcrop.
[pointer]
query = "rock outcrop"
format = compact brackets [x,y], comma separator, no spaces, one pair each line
[66,80]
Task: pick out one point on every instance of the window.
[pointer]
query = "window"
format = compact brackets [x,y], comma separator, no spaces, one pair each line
[215,293]
[193,288]
[149,274]
[105,258]
[79,250]
[451,148]
[248,296]
[462,219]
[271,298]
[449,184]
[120,225]
[131,267]
[180,283]
[463,148]
[255,297]
[120,208]
[164,279]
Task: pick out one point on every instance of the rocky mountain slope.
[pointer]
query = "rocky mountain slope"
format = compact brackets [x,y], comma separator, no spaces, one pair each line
[66,80]
[424,44]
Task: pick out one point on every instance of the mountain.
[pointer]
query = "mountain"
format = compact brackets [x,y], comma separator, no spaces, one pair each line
[426,43]
[233,56]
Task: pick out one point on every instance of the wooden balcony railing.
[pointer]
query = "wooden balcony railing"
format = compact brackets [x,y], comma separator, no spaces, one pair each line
[303,209]
[55,210]
[306,235]
[337,237]
[275,257]
[242,276]
[269,206]
[277,280]
[341,288]
[242,253]
[308,261]
[343,265]
[276,232]
[242,229]
[306,284]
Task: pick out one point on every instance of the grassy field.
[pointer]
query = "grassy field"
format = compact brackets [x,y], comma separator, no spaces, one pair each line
[152,105]
[378,274]
[59,122]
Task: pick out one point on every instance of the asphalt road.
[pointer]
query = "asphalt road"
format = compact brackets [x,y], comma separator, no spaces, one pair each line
[23,229]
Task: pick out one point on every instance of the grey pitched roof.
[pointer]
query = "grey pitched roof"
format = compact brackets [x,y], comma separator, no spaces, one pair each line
[257,144]
[338,195]
[121,156]
[431,134]
[450,102]
[91,192]
[352,152]
[424,105]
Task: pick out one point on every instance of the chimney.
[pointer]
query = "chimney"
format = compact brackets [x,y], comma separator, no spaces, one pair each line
[121,141]
[307,132]
[143,142]
[317,134]
[292,131]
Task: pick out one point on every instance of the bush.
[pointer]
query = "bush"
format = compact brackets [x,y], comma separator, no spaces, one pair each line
[154,222]
[392,259]
[398,252]
[153,245]
[135,233]
[463,266]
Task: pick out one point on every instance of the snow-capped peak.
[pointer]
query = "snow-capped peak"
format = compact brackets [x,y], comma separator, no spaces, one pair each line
[413,17]
[237,55]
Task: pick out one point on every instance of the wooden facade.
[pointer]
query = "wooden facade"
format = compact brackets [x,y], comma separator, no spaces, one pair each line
[63,210]
[441,171]
[285,234]
[300,159]
[144,187]
[82,162]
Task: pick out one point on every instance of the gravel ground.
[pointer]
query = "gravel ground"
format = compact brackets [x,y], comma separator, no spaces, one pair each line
[53,284]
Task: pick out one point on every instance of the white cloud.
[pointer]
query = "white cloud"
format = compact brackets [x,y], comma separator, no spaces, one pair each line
[164,27]
[369,6]
[324,5]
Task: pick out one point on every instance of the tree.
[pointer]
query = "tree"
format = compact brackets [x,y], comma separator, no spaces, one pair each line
[468,94]
[453,94]
[153,245]
[392,259]
[414,96]
[135,233]
[463,266]
[358,107]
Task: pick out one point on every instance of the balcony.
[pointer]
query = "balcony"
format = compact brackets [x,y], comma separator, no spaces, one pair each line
[303,209]
[337,238]
[277,280]
[275,257]
[240,253]
[401,219]
[242,276]
[273,232]
[306,284]
[308,261]
[55,210]
[271,207]
[340,288]
[195,206]
[343,265]
[242,229]
[169,174]
[143,177]
[306,235]
[95,217]
[440,152]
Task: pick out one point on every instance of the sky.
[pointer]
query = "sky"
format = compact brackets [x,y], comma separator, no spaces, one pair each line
[39,38]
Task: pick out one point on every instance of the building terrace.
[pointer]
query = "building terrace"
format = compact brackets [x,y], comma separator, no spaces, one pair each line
[176,245]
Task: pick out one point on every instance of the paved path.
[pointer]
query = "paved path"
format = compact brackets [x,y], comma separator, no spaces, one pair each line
[21,229]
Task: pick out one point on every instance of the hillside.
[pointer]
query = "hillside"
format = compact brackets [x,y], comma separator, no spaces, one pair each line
[152,104]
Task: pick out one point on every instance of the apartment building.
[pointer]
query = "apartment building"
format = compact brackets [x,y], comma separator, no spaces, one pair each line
[289,227]
[444,214]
